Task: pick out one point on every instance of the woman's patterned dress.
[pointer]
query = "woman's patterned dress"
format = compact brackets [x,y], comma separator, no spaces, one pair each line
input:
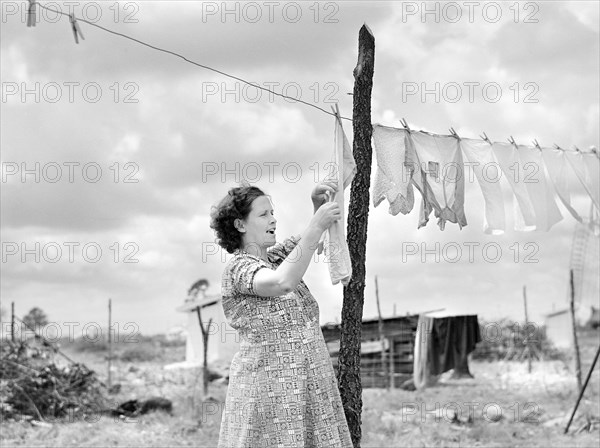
[282,387]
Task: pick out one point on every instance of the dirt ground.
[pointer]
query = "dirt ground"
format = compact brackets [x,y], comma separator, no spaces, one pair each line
[503,405]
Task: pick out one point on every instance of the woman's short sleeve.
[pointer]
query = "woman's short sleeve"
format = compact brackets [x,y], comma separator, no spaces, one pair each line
[241,274]
[278,252]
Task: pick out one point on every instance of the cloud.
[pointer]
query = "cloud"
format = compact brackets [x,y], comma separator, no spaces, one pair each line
[187,135]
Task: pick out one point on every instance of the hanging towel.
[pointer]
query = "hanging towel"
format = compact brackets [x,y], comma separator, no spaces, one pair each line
[419,180]
[559,170]
[337,255]
[442,170]
[451,340]
[510,163]
[487,172]
[393,177]
[542,198]
[587,168]
[421,368]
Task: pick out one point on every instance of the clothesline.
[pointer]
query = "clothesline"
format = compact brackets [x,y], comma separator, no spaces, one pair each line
[511,140]
[77,33]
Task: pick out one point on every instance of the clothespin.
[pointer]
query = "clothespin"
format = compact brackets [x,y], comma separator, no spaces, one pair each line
[405,124]
[485,138]
[558,147]
[512,140]
[336,112]
[454,134]
[576,148]
[536,144]
[75,27]
[31,19]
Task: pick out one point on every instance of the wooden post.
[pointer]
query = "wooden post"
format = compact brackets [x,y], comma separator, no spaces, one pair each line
[358,212]
[109,342]
[525,329]
[204,331]
[582,390]
[381,337]
[575,342]
[12,321]
[392,369]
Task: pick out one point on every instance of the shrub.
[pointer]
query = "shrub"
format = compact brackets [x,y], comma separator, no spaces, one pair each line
[140,352]
[506,339]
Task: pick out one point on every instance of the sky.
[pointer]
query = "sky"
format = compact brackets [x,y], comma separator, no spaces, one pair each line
[113,153]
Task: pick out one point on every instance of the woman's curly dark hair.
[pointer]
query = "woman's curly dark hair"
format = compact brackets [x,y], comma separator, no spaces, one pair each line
[236,205]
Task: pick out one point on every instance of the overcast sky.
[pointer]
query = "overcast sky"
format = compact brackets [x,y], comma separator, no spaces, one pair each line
[133,145]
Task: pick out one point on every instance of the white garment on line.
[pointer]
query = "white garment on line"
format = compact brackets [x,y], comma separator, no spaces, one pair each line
[392,178]
[337,255]
[542,198]
[487,172]
[587,168]
[441,165]
[419,180]
[510,163]
[559,168]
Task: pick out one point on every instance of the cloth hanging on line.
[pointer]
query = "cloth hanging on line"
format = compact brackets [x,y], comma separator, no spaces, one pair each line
[442,344]
[335,246]
[542,198]
[509,161]
[558,170]
[487,172]
[392,179]
[433,164]
[587,169]
[421,374]
[419,180]
[451,340]
[441,165]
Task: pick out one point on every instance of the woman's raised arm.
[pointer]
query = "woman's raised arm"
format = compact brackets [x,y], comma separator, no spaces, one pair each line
[269,283]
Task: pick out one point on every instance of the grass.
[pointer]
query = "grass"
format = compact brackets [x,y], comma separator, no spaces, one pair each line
[533,407]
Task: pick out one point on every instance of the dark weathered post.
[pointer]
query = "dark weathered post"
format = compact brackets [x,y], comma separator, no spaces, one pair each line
[205,335]
[575,341]
[110,352]
[526,325]
[358,212]
[383,370]
[12,321]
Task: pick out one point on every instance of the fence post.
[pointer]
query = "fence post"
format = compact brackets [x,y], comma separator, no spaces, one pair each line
[358,212]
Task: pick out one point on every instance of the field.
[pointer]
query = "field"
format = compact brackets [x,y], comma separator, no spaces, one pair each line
[503,405]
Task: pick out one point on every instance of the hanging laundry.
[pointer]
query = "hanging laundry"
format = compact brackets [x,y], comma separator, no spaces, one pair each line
[441,165]
[587,168]
[487,172]
[442,344]
[421,368]
[337,255]
[451,340]
[558,170]
[419,180]
[542,198]
[510,163]
[393,177]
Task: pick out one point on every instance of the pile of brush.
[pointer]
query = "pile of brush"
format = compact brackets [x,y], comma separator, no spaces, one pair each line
[33,387]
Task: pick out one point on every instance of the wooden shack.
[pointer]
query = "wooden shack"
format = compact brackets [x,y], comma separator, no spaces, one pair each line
[396,366]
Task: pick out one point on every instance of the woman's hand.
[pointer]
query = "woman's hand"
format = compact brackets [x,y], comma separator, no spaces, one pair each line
[326,215]
[319,193]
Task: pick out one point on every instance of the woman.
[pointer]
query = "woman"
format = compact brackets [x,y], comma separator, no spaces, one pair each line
[282,388]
